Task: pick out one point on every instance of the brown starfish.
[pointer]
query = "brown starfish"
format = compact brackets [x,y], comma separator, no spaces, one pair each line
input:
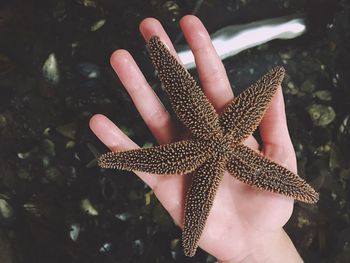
[216,144]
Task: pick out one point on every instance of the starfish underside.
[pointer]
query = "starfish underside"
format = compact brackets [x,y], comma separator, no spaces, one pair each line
[216,144]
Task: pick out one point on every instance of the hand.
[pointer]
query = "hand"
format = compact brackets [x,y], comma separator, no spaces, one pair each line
[245,224]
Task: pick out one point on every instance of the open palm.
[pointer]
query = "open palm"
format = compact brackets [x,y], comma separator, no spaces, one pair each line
[242,218]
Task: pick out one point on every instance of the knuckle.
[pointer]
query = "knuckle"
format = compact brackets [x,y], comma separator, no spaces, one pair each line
[159,118]
[215,76]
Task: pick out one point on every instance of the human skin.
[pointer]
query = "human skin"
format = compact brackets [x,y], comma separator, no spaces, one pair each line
[245,223]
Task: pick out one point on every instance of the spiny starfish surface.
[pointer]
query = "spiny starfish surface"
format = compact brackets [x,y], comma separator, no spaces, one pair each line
[216,144]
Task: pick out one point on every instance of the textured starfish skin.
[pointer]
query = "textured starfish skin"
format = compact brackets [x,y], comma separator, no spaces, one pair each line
[216,144]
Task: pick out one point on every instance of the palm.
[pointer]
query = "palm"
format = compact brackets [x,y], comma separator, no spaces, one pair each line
[231,220]
[240,213]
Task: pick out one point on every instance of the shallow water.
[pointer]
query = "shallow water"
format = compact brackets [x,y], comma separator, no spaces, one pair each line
[56,205]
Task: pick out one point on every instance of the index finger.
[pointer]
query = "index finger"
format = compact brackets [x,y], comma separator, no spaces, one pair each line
[116,140]
[275,135]
[168,189]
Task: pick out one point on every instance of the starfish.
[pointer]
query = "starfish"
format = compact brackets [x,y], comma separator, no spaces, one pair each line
[216,144]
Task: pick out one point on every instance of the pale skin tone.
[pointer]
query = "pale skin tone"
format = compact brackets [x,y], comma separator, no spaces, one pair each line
[245,224]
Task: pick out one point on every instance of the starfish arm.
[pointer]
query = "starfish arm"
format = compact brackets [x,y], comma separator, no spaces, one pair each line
[253,169]
[244,113]
[199,201]
[176,158]
[187,99]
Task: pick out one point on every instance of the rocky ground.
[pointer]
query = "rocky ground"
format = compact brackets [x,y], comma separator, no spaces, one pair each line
[56,205]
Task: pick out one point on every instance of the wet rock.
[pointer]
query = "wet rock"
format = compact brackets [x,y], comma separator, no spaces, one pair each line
[53,175]
[70,145]
[148,145]
[47,131]
[3,121]
[48,147]
[291,88]
[24,174]
[148,197]
[87,207]
[334,157]
[286,55]
[23,155]
[138,247]
[50,69]
[89,70]
[98,25]
[70,173]
[74,231]
[303,221]
[68,130]
[160,216]
[60,11]
[321,115]
[323,95]
[87,3]
[128,131]
[324,148]
[308,86]
[6,211]
[123,216]
[172,7]
[6,250]
[174,243]
[6,64]
[46,161]
[32,209]
[106,247]
[175,247]
[108,188]
[133,195]
[345,127]
[210,259]
[345,174]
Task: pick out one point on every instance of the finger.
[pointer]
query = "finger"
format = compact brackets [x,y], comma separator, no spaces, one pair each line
[211,71]
[169,190]
[152,27]
[146,101]
[274,134]
[116,140]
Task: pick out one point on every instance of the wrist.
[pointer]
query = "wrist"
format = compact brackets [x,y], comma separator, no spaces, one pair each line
[277,247]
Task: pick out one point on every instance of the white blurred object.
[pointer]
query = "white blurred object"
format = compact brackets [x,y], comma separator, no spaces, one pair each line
[231,40]
[50,69]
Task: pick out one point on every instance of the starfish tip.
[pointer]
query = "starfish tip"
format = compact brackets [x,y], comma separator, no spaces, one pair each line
[308,194]
[189,251]
[279,72]
[156,43]
[104,161]
[313,197]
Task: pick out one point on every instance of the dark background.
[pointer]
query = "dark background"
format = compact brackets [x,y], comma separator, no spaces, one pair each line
[56,205]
